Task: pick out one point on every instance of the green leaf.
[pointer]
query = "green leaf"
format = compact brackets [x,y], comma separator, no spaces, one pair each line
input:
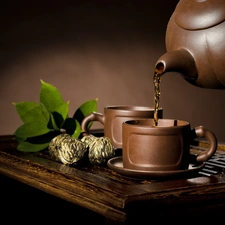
[77,131]
[30,111]
[69,125]
[52,123]
[45,120]
[85,109]
[42,139]
[62,109]
[59,116]
[19,139]
[50,96]
[32,129]
[29,147]
[72,127]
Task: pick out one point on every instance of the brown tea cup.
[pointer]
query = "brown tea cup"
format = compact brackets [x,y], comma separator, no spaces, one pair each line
[164,147]
[114,116]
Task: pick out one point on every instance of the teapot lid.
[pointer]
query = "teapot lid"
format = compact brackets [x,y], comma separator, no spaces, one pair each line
[199,14]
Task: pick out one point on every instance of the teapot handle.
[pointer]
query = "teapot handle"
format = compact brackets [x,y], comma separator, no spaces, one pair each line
[202,132]
[94,116]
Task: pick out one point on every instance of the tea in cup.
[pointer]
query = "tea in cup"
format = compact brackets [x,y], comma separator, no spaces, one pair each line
[114,116]
[164,147]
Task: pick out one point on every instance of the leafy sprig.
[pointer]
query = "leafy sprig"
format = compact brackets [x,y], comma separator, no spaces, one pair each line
[49,118]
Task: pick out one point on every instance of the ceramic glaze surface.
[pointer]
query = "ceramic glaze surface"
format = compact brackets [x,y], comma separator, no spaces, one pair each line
[165,147]
[195,43]
[114,116]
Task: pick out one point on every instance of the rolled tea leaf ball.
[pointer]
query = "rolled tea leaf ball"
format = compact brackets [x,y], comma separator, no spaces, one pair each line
[100,150]
[66,149]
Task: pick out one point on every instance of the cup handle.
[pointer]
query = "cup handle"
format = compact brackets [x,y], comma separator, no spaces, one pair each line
[94,116]
[202,132]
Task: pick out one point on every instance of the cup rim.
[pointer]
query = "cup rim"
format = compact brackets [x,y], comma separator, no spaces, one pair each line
[150,123]
[131,107]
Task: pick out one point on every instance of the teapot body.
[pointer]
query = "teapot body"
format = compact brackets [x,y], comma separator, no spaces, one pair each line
[200,32]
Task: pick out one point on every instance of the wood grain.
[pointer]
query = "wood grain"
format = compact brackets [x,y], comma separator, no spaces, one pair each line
[116,197]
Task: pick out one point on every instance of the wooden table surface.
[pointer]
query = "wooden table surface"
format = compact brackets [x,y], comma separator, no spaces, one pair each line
[120,199]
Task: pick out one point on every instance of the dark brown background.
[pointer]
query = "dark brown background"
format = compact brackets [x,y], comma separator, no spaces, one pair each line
[95,49]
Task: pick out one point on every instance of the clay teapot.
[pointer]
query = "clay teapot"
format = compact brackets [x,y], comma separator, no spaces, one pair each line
[195,43]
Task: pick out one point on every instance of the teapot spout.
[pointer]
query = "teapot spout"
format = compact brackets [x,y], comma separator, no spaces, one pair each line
[180,61]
